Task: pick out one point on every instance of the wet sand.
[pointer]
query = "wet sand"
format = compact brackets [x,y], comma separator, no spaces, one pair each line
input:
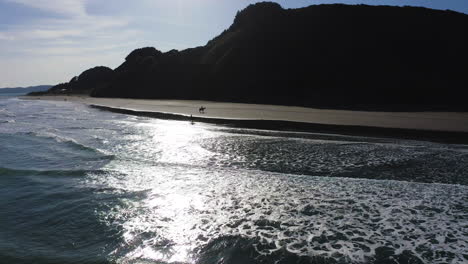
[451,127]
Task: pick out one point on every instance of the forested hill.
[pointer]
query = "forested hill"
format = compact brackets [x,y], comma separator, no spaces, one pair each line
[335,56]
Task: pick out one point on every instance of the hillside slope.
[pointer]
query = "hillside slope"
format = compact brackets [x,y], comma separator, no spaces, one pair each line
[334,56]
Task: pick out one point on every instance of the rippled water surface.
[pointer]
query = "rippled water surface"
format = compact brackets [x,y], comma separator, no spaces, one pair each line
[80,185]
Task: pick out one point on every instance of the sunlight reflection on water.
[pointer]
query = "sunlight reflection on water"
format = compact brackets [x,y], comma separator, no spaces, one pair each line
[180,201]
[172,192]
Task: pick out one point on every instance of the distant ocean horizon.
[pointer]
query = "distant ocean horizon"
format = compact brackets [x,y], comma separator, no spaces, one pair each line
[82,185]
[12,94]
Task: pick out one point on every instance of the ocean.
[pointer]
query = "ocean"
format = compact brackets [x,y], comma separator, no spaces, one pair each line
[82,185]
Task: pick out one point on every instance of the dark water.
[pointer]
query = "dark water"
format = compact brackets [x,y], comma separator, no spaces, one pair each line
[80,185]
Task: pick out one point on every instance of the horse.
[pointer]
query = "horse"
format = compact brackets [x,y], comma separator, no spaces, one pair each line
[201,110]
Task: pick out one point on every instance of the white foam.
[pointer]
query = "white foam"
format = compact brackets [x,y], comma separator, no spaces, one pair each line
[339,218]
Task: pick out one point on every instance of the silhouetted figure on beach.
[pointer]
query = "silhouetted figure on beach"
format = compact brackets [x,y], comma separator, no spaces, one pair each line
[191,120]
[202,110]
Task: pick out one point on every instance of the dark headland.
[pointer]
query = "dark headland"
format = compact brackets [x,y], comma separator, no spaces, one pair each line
[333,56]
[353,57]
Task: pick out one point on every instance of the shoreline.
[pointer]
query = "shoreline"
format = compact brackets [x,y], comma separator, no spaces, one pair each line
[282,125]
[441,127]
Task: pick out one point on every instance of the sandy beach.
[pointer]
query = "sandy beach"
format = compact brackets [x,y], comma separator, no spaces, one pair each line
[400,124]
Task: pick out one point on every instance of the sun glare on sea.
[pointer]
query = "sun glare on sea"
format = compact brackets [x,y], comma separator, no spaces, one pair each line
[177,141]
[161,226]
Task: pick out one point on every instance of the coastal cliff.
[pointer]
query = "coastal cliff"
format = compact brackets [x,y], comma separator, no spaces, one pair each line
[331,56]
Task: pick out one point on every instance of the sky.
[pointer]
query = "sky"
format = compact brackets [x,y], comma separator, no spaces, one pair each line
[51,41]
